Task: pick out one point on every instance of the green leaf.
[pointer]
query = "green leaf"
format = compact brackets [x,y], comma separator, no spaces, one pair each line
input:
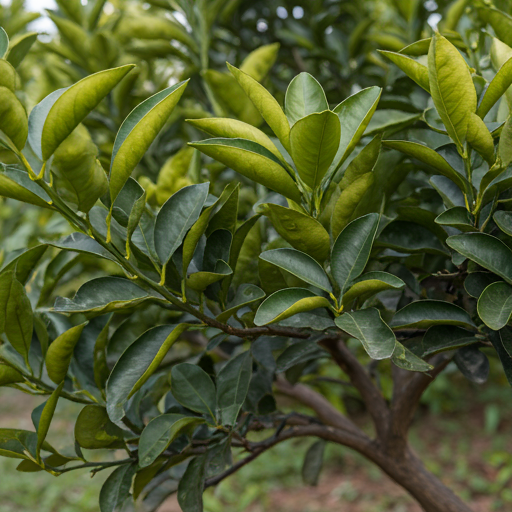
[176,217]
[20,47]
[300,265]
[138,362]
[486,250]
[16,317]
[8,76]
[476,282]
[370,284]
[500,21]
[95,431]
[497,88]
[138,132]
[252,161]
[116,489]
[245,295]
[266,104]
[480,138]
[429,157]
[46,418]
[348,201]
[503,220]
[505,144]
[60,353]
[412,68]
[473,364]
[81,243]
[286,303]
[314,142]
[313,463]
[201,225]
[363,163]
[304,96]
[426,313]
[355,113]
[161,432]
[297,353]
[502,343]
[9,375]
[352,249]
[24,264]
[103,295]
[194,389]
[411,238]
[235,129]
[457,217]
[4,43]
[451,87]
[100,366]
[191,486]
[199,281]
[495,305]
[78,175]
[53,120]
[301,231]
[368,327]
[232,387]
[443,337]
[17,185]
[405,359]
[13,118]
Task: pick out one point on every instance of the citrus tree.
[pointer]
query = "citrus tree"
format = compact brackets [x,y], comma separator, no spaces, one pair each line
[314,245]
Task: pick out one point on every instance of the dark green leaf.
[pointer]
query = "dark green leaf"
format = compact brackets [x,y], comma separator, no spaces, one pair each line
[368,327]
[94,430]
[407,360]
[300,265]
[138,362]
[473,364]
[486,250]
[176,217]
[352,249]
[116,489]
[426,313]
[245,295]
[495,305]
[190,489]
[194,389]
[313,462]
[161,432]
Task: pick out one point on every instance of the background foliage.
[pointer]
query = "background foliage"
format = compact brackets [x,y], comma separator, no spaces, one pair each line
[432,179]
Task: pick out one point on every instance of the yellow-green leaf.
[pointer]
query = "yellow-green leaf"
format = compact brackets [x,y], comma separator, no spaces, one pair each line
[301,231]
[60,353]
[412,68]
[138,132]
[480,138]
[286,303]
[348,201]
[314,141]
[451,86]
[266,104]
[253,161]
[13,118]
[234,129]
[72,106]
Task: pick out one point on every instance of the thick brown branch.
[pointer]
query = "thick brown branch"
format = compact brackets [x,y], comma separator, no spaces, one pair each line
[323,408]
[408,387]
[372,397]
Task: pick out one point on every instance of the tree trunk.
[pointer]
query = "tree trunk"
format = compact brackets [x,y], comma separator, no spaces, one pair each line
[409,472]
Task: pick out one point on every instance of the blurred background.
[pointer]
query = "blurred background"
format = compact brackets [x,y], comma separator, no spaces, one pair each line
[462,429]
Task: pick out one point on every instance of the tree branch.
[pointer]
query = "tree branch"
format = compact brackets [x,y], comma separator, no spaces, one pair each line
[408,387]
[361,444]
[372,397]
